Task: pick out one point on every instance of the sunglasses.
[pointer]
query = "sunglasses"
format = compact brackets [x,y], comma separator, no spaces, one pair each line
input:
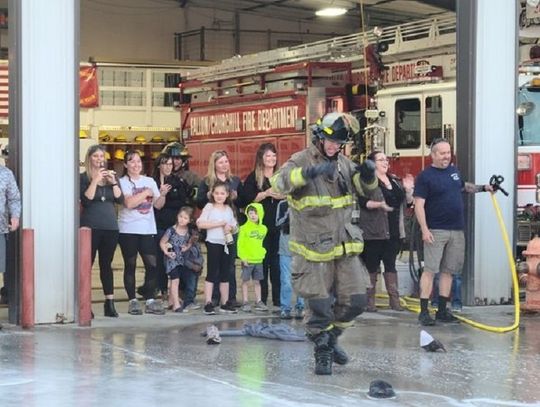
[437,141]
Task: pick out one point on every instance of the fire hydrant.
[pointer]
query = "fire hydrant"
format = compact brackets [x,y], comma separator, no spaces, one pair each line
[529,276]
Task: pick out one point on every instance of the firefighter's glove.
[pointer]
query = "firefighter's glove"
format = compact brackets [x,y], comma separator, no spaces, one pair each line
[367,171]
[326,168]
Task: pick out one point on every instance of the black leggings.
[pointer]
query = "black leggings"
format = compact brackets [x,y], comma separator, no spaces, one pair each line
[131,244]
[218,265]
[271,268]
[377,250]
[104,242]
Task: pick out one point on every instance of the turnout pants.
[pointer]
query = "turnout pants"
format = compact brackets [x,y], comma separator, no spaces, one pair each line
[335,291]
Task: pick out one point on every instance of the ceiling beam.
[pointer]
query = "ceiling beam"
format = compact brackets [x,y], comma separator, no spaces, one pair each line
[448,5]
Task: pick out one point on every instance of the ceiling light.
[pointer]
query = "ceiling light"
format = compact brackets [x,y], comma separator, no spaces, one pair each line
[331,12]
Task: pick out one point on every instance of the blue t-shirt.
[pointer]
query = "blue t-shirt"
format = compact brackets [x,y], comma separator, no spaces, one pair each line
[442,190]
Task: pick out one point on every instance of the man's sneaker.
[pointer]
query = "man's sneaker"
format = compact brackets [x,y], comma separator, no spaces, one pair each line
[260,306]
[425,319]
[154,307]
[246,307]
[228,309]
[209,309]
[285,315]
[457,308]
[134,307]
[445,316]
[234,303]
[191,307]
[299,313]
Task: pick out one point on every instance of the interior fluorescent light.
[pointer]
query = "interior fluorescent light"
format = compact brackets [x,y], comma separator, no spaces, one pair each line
[331,12]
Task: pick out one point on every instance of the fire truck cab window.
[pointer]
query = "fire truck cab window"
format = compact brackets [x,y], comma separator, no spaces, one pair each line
[529,125]
[407,124]
[434,126]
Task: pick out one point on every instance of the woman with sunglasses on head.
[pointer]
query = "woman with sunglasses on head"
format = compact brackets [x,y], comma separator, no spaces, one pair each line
[99,191]
[381,220]
[219,170]
[137,226]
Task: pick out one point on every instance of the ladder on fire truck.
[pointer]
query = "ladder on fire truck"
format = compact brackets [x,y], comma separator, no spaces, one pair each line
[417,39]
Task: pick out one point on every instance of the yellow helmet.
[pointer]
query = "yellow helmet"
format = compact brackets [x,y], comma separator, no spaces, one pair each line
[120,138]
[83,134]
[104,137]
[157,139]
[155,154]
[107,155]
[119,154]
[184,153]
[172,139]
[140,139]
[140,152]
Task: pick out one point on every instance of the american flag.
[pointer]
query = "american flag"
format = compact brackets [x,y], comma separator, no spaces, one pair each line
[4,90]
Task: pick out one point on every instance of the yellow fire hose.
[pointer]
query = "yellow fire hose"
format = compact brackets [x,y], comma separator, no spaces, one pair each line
[412,304]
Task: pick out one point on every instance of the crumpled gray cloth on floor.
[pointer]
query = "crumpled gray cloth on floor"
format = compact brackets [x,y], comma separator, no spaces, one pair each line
[264,330]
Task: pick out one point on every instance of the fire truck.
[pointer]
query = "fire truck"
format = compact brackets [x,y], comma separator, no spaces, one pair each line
[275,96]
[239,114]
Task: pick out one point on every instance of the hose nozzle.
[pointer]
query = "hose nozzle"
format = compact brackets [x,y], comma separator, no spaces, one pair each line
[495,182]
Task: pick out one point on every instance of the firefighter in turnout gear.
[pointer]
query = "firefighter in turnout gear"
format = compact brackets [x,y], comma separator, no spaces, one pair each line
[320,184]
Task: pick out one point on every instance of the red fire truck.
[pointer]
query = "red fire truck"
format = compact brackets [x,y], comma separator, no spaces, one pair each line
[277,106]
[276,95]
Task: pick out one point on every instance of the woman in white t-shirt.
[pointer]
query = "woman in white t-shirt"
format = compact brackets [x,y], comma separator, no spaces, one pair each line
[137,228]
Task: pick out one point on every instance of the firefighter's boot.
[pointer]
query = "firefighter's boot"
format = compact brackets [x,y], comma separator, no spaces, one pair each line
[323,353]
[391,282]
[371,293]
[339,355]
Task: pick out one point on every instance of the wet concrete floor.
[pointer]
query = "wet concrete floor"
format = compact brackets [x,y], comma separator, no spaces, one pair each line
[158,360]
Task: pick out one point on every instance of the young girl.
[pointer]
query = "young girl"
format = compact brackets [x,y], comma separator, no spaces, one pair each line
[218,219]
[175,242]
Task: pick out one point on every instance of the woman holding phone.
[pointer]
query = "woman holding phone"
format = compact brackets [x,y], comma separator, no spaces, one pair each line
[99,191]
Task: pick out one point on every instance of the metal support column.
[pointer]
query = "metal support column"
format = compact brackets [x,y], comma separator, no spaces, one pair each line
[45,114]
[486,128]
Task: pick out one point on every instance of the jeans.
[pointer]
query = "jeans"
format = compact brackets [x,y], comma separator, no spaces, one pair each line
[188,282]
[455,292]
[286,286]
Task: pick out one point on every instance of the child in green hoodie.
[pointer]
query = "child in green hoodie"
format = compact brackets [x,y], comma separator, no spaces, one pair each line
[251,252]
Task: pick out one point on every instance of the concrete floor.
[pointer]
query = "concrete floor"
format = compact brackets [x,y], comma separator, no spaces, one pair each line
[155,360]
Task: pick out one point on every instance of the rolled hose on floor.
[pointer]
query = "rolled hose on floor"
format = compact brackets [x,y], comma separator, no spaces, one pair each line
[413,304]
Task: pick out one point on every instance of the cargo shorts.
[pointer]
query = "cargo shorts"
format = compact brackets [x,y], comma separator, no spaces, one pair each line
[446,253]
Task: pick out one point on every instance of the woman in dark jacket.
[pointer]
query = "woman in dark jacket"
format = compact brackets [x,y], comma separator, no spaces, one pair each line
[381,220]
[257,189]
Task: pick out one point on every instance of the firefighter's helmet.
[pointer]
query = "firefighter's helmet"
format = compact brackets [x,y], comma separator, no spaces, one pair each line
[140,139]
[157,139]
[337,127]
[174,149]
[83,134]
[119,154]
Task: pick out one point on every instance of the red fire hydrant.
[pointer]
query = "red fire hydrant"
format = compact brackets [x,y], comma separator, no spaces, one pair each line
[529,276]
